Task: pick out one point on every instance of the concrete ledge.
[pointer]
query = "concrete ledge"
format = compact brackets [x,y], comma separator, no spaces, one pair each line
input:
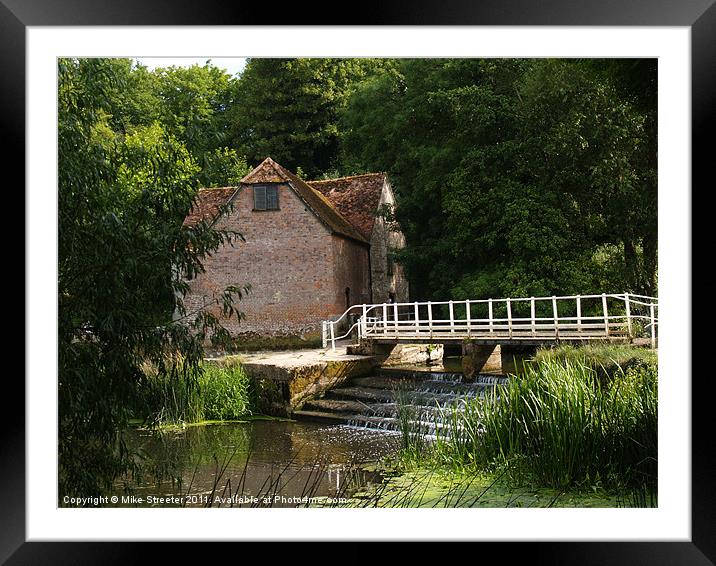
[478,358]
[415,354]
[286,380]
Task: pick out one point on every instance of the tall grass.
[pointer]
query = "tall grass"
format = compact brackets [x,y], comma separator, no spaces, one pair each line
[411,424]
[215,392]
[225,392]
[563,425]
[605,359]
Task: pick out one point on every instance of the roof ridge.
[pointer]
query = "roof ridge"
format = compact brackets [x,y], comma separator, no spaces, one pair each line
[348,230]
[267,161]
[319,203]
[346,177]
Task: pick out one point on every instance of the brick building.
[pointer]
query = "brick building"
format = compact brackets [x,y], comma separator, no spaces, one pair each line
[311,249]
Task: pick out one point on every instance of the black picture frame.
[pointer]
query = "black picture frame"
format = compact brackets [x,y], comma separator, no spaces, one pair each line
[699,15]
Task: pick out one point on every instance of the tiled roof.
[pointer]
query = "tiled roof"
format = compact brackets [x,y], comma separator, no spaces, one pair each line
[207,204]
[268,171]
[347,205]
[356,198]
[271,172]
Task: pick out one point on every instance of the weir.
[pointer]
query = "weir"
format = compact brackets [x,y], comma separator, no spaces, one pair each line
[390,396]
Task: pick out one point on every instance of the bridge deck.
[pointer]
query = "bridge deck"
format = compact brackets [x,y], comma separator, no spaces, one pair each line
[531,320]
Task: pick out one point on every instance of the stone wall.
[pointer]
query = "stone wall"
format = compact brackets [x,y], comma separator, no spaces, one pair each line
[382,241]
[284,383]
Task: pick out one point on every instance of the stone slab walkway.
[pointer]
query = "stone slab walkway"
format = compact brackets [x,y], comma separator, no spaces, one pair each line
[296,358]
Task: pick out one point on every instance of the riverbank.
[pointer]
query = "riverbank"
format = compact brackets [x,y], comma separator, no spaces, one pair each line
[442,488]
[233,386]
[577,428]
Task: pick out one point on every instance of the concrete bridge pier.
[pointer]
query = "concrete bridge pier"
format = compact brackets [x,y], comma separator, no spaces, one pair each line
[477,356]
[501,358]
[480,357]
[399,353]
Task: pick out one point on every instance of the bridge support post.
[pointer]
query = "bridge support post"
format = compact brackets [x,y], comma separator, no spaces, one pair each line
[479,357]
[513,357]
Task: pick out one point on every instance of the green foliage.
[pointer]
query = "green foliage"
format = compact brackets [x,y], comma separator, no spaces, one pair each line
[609,359]
[561,425]
[514,177]
[411,423]
[195,103]
[121,259]
[190,105]
[143,149]
[226,392]
[131,99]
[222,167]
[217,392]
[288,109]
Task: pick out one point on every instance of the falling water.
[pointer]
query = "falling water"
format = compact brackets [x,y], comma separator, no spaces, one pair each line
[421,399]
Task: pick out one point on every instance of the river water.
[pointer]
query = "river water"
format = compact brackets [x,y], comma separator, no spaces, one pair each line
[275,463]
[262,463]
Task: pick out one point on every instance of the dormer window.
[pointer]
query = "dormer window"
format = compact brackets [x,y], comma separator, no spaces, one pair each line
[265,197]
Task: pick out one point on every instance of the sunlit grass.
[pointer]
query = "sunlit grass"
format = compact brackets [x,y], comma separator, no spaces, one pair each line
[215,393]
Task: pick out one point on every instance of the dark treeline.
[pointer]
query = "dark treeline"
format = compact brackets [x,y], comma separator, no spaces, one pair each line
[516,177]
[513,177]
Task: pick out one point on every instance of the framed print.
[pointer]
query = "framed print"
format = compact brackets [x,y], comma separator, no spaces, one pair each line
[37,37]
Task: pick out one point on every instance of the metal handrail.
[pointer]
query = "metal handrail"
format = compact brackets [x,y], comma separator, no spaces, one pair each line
[335,338]
[384,325]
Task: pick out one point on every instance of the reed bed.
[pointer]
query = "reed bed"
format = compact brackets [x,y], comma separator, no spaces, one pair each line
[215,392]
[606,360]
[561,424]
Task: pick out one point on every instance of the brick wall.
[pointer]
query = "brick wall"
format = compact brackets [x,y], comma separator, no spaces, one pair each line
[297,270]
[351,272]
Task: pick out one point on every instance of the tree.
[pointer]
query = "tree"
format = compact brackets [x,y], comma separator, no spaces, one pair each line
[222,167]
[418,123]
[513,177]
[288,109]
[594,143]
[195,105]
[635,81]
[121,248]
[141,151]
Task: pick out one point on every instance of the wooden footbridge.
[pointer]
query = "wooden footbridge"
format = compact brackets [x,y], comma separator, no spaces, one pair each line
[512,321]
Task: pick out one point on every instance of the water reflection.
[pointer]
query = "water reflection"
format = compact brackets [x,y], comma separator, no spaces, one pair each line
[260,463]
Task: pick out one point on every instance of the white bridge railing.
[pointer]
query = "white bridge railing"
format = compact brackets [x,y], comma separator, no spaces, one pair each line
[574,317]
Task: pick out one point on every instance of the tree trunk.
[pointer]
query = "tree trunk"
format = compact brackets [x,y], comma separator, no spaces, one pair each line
[650,266]
[630,266]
